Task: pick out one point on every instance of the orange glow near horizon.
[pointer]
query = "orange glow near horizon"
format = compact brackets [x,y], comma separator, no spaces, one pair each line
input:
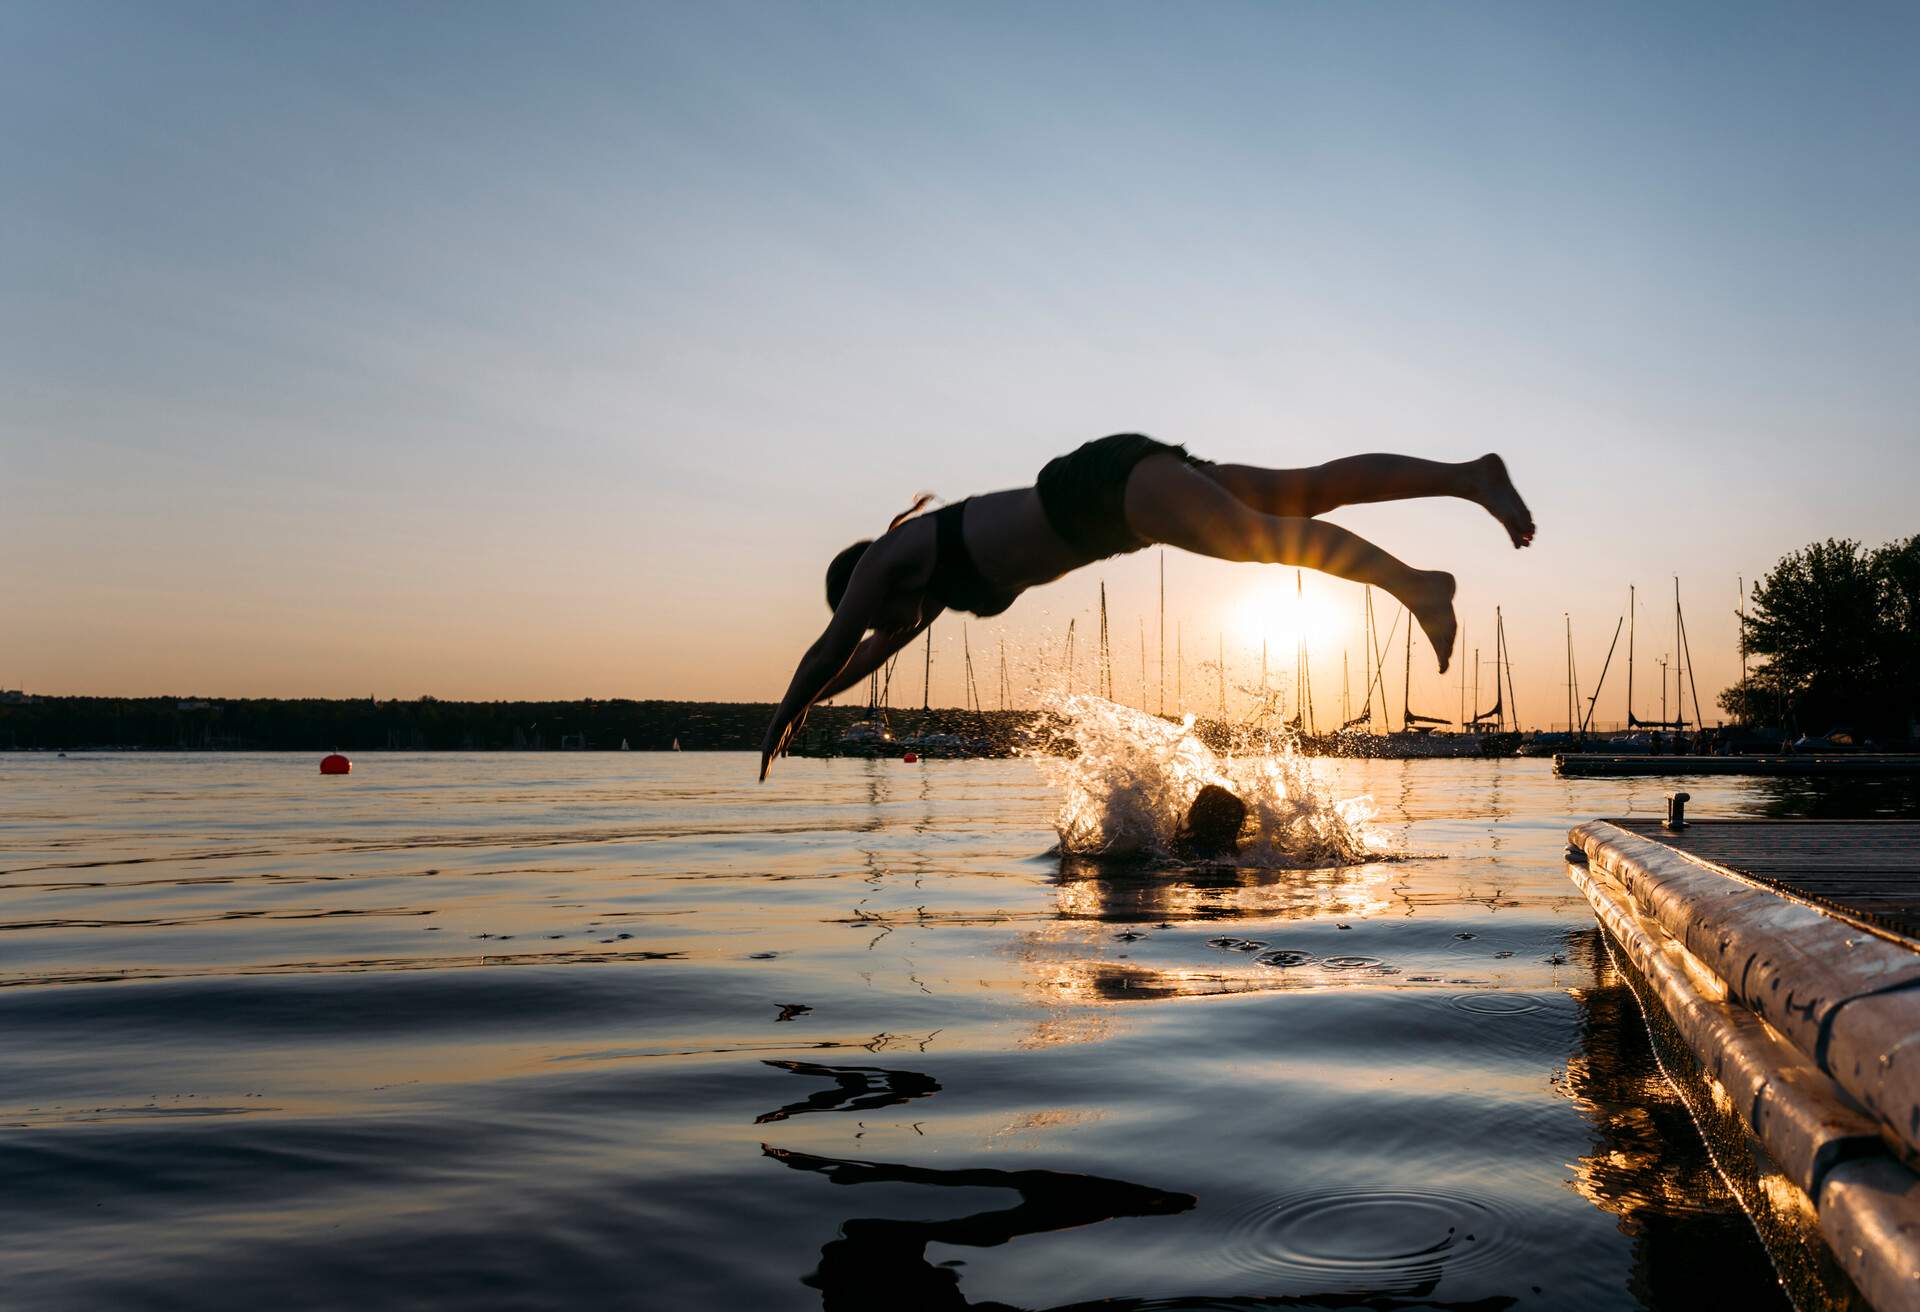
[1274,613]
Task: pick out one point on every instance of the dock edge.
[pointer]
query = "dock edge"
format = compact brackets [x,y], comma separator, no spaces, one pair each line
[1755,983]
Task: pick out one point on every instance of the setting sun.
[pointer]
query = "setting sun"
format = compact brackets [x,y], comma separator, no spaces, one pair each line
[1273,612]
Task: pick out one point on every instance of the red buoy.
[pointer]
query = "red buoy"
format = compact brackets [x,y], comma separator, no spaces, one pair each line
[335,764]
[909,758]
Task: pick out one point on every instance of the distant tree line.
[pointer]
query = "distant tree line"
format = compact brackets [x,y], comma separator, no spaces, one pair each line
[429,723]
[1837,627]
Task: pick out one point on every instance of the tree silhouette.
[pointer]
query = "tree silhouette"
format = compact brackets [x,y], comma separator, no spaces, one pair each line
[1836,626]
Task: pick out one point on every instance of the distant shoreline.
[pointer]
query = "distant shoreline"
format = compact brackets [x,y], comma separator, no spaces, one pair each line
[176,724]
[183,724]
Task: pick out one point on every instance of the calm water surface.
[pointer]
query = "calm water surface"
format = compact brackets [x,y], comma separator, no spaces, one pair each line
[630,1030]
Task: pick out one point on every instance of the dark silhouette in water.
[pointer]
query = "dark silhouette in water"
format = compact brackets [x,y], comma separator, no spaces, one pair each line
[880,1265]
[856,1089]
[1112,496]
[1213,824]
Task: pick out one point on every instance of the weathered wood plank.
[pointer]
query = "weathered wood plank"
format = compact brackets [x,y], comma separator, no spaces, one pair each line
[1869,868]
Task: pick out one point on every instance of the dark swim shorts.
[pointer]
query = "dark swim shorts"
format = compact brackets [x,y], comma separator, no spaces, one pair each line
[1084,493]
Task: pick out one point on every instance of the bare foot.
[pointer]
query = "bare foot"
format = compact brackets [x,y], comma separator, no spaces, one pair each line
[1431,601]
[1495,491]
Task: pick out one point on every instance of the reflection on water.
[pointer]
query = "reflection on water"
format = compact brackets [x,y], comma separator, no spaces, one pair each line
[1110,891]
[1647,1164]
[1866,797]
[881,1262]
[1380,1251]
[510,1030]
[856,1088]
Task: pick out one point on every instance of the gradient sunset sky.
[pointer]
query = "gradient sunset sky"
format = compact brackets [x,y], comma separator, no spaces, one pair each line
[551,350]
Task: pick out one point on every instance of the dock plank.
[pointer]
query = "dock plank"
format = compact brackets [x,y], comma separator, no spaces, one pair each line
[1866,868]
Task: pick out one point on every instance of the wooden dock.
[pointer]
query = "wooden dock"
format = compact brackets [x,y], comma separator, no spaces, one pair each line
[1780,959]
[1866,869]
[1578,765]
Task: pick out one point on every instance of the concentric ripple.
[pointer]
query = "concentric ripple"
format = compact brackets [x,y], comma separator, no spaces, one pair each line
[1284,958]
[1494,1004]
[1370,1237]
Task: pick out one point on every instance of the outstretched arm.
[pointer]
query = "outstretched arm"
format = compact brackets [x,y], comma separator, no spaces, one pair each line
[827,660]
[875,650]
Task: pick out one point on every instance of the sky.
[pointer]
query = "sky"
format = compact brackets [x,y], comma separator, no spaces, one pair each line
[491,350]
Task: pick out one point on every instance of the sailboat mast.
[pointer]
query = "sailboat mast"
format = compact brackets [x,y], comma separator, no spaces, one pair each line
[1594,701]
[1366,639]
[1378,657]
[1302,671]
[1632,620]
[1513,698]
[1306,685]
[1070,658]
[1499,702]
[926,677]
[1679,706]
[1106,651]
[1575,671]
[1740,609]
[1462,649]
[1406,689]
[1506,663]
[1569,619]
[1163,630]
[1698,719]
[966,656]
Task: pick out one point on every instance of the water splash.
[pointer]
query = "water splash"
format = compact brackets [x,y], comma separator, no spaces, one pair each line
[1127,779]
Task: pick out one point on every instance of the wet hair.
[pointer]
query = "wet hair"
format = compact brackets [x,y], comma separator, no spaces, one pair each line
[1213,824]
[840,568]
[840,571]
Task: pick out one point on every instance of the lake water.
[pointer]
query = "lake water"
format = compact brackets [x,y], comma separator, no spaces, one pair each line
[542,1030]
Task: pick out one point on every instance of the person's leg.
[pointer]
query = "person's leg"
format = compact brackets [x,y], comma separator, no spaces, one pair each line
[1170,501]
[1352,480]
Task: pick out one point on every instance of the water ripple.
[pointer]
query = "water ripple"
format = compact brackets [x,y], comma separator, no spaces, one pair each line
[1494,1004]
[1375,1236]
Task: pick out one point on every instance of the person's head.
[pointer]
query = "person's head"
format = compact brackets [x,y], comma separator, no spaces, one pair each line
[840,571]
[1213,824]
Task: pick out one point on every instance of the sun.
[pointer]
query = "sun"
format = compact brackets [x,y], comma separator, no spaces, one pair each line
[1272,612]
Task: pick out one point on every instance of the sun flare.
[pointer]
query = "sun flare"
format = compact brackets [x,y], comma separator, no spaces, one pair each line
[1274,613]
